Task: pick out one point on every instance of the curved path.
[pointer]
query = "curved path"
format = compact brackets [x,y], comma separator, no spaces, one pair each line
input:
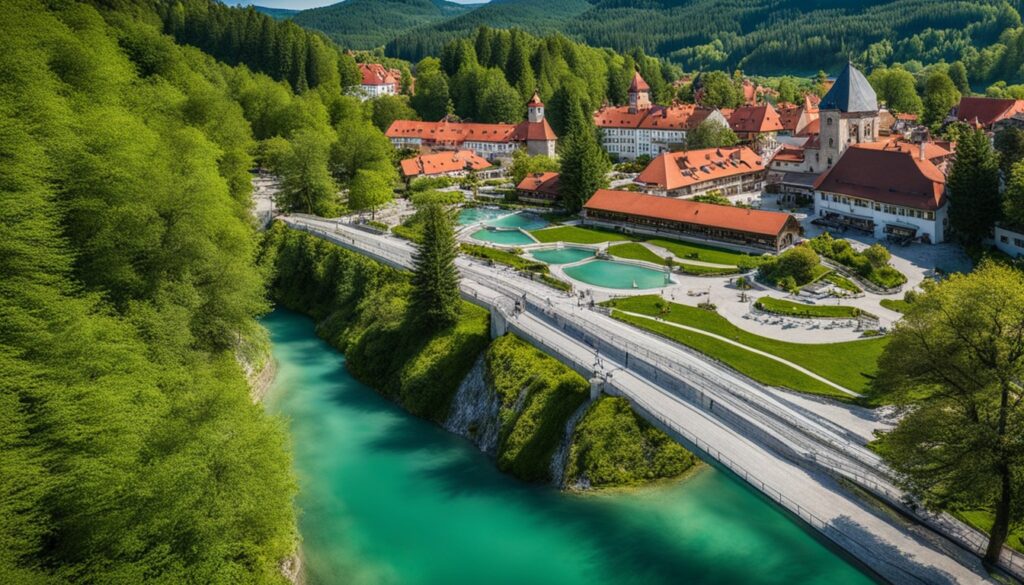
[796,367]
[792,457]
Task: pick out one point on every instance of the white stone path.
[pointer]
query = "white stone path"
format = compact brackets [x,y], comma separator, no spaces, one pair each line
[899,550]
[771,356]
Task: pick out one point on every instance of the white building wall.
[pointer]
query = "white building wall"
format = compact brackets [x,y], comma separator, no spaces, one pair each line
[1009,242]
[927,222]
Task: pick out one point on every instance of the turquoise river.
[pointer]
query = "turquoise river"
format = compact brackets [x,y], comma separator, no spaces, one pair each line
[389,498]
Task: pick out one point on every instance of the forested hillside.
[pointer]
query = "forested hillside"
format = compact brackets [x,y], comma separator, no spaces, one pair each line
[130,451]
[366,24]
[758,36]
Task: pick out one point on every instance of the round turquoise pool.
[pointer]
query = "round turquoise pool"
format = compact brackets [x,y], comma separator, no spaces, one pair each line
[526,221]
[503,237]
[561,255]
[473,215]
[610,274]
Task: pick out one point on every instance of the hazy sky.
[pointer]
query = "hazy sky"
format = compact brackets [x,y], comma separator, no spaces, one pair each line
[300,4]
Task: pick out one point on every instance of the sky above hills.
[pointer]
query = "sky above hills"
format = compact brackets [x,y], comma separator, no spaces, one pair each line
[304,4]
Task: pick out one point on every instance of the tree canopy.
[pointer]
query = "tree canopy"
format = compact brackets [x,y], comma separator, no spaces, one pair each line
[954,362]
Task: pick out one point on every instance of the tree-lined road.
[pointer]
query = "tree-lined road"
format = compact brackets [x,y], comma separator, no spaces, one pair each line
[789,452]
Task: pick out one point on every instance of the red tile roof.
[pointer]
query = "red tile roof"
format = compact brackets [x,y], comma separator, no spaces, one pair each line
[675,170]
[533,131]
[452,133]
[705,214]
[541,183]
[755,119]
[638,83]
[674,117]
[377,74]
[791,154]
[887,176]
[932,150]
[984,112]
[440,163]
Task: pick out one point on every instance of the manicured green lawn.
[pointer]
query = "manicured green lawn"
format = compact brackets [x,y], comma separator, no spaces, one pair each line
[983,519]
[682,250]
[634,251]
[850,364]
[704,253]
[758,367]
[578,235]
[784,307]
[843,282]
[898,305]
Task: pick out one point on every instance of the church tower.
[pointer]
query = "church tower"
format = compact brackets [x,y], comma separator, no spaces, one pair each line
[639,94]
[535,109]
[848,115]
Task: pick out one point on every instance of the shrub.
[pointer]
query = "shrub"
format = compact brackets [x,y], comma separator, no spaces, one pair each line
[798,264]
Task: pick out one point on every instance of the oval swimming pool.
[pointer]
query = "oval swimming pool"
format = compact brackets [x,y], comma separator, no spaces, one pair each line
[611,274]
[503,237]
[561,255]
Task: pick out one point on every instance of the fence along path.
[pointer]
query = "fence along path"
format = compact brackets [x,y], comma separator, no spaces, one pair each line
[749,420]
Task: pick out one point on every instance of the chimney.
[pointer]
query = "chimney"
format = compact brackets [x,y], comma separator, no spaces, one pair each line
[921,150]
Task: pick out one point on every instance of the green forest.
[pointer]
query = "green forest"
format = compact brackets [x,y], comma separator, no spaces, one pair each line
[765,37]
[131,450]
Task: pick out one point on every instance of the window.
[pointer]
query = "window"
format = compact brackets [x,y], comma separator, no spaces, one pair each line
[929,215]
[835,198]
[828,121]
[831,143]
[1018,242]
[878,207]
[1004,239]
[900,211]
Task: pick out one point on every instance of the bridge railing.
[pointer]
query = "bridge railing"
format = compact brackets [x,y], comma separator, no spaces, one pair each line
[875,479]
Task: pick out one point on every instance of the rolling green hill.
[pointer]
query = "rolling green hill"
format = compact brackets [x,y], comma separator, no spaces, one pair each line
[278,13]
[760,36]
[365,24]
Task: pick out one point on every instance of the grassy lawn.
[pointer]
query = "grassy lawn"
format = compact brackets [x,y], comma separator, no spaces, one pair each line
[983,519]
[698,270]
[898,305]
[503,257]
[578,235]
[758,367]
[703,253]
[850,364]
[682,250]
[784,307]
[634,251]
[843,282]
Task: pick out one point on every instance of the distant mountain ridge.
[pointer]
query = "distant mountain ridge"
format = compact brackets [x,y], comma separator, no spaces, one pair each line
[365,24]
[278,13]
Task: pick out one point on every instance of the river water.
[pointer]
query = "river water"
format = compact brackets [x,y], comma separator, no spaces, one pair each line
[389,498]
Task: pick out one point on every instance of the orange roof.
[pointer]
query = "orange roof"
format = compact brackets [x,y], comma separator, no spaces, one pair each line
[751,221]
[932,150]
[674,170]
[813,128]
[533,131]
[793,154]
[377,74]
[984,112]
[755,119]
[891,176]
[674,117]
[546,183]
[638,83]
[440,163]
[453,133]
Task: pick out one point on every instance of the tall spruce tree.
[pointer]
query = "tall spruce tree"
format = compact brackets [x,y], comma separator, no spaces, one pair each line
[973,187]
[585,164]
[435,296]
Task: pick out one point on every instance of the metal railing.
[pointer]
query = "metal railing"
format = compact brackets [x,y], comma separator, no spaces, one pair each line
[749,409]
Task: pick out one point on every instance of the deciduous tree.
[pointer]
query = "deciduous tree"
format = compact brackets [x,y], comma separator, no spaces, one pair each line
[954,363]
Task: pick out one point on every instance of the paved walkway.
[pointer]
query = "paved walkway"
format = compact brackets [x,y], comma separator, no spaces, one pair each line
[780,449]
[771,356]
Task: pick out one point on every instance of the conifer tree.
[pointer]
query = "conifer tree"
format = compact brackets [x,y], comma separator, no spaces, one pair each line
[434,302]
[585,164]
[973,187]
